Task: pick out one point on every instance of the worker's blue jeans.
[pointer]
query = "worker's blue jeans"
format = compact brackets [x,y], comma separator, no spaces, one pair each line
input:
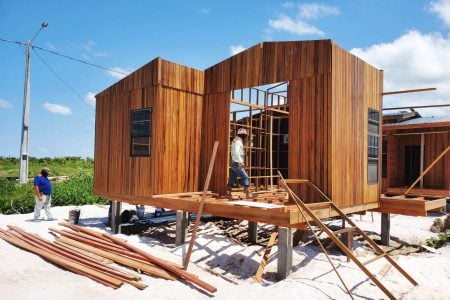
[236,172]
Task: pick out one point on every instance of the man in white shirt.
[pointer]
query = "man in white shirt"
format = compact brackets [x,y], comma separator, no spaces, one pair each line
[237,163]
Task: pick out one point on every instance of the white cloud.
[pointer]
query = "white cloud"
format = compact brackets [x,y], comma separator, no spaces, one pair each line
[50,46]
[90,99]
[57,109]
[122,74]
[90,48]
[316,10]
[235,49]
[296,19]
[4,104]
[442,9]
[285,23]
[414,60]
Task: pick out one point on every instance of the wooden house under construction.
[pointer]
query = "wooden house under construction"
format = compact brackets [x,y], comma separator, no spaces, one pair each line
[313,110]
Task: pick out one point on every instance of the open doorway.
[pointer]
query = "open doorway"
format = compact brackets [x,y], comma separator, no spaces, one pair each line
[264,112]
[412,164]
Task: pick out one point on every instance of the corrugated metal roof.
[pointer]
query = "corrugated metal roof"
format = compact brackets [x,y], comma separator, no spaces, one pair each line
[422,120]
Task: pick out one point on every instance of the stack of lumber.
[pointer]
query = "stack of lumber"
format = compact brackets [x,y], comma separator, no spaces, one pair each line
[91,253]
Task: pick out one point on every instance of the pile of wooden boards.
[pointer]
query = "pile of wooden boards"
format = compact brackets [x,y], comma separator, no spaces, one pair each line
[91,253]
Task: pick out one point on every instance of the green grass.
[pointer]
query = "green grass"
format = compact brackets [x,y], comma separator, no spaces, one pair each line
[19,198]
[71,166]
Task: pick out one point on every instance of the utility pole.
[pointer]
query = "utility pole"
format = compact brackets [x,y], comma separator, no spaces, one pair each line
[23,168]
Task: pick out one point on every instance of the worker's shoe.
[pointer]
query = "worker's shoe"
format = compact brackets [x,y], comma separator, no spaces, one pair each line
[249,195]
[228,194]
[52,219]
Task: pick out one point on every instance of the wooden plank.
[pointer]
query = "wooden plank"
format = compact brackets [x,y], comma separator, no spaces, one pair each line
[202,203]
[50,247]
[152,270]
[183,274]
[262,265]
[409,91]
[63,262]
[427,169]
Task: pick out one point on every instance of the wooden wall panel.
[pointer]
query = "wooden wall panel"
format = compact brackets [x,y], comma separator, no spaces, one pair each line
[101,147]
[119,143]
[216,118]
[437,177]
[269,62]
[176,149]
[147,75]
[309,134]
[356,86]
[181,77]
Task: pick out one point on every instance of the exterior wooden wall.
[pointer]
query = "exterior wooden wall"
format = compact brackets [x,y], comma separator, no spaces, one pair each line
[330,91]
[175,94]
[356,87]
[310,134]
[434,143]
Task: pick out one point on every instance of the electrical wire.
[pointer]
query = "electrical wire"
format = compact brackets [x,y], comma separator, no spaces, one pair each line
[13,42]
[65,56]
[80,60]
[60,78]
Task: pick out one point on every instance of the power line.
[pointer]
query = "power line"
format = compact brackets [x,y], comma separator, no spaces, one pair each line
[80,60]
[13,42]
[60,78]
[65,56]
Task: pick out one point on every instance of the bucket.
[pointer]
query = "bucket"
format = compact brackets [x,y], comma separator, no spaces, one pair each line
[74,216]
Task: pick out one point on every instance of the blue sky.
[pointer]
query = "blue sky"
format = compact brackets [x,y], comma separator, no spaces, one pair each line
[408,39]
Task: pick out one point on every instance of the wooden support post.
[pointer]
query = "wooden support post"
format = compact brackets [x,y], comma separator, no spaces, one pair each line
[284,266]
[116,207]
[385,228]
[252,232]
[182,223]
[422,150]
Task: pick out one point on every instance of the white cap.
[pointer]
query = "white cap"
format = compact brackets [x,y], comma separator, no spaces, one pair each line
[242,131]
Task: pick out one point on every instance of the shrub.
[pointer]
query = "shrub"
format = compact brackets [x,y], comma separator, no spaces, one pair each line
[438,242]
[15,198]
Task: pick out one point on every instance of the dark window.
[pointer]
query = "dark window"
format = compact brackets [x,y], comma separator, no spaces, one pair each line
[373,145]
[384,160]
[141,128]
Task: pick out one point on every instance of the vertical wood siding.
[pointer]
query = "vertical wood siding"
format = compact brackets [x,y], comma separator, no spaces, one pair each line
[356,87]
[310,134]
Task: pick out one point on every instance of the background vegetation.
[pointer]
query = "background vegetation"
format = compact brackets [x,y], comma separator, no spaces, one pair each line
[77,190]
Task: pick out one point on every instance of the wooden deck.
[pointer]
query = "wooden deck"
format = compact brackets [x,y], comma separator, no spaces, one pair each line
[271,207]
[411,204]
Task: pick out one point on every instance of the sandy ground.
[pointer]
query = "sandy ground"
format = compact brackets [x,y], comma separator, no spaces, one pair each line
[27,276]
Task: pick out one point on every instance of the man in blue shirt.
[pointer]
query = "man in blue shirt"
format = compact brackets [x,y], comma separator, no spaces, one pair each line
[43,195]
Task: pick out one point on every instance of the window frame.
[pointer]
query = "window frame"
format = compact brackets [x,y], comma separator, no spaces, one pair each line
[373,145]
[137,136]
